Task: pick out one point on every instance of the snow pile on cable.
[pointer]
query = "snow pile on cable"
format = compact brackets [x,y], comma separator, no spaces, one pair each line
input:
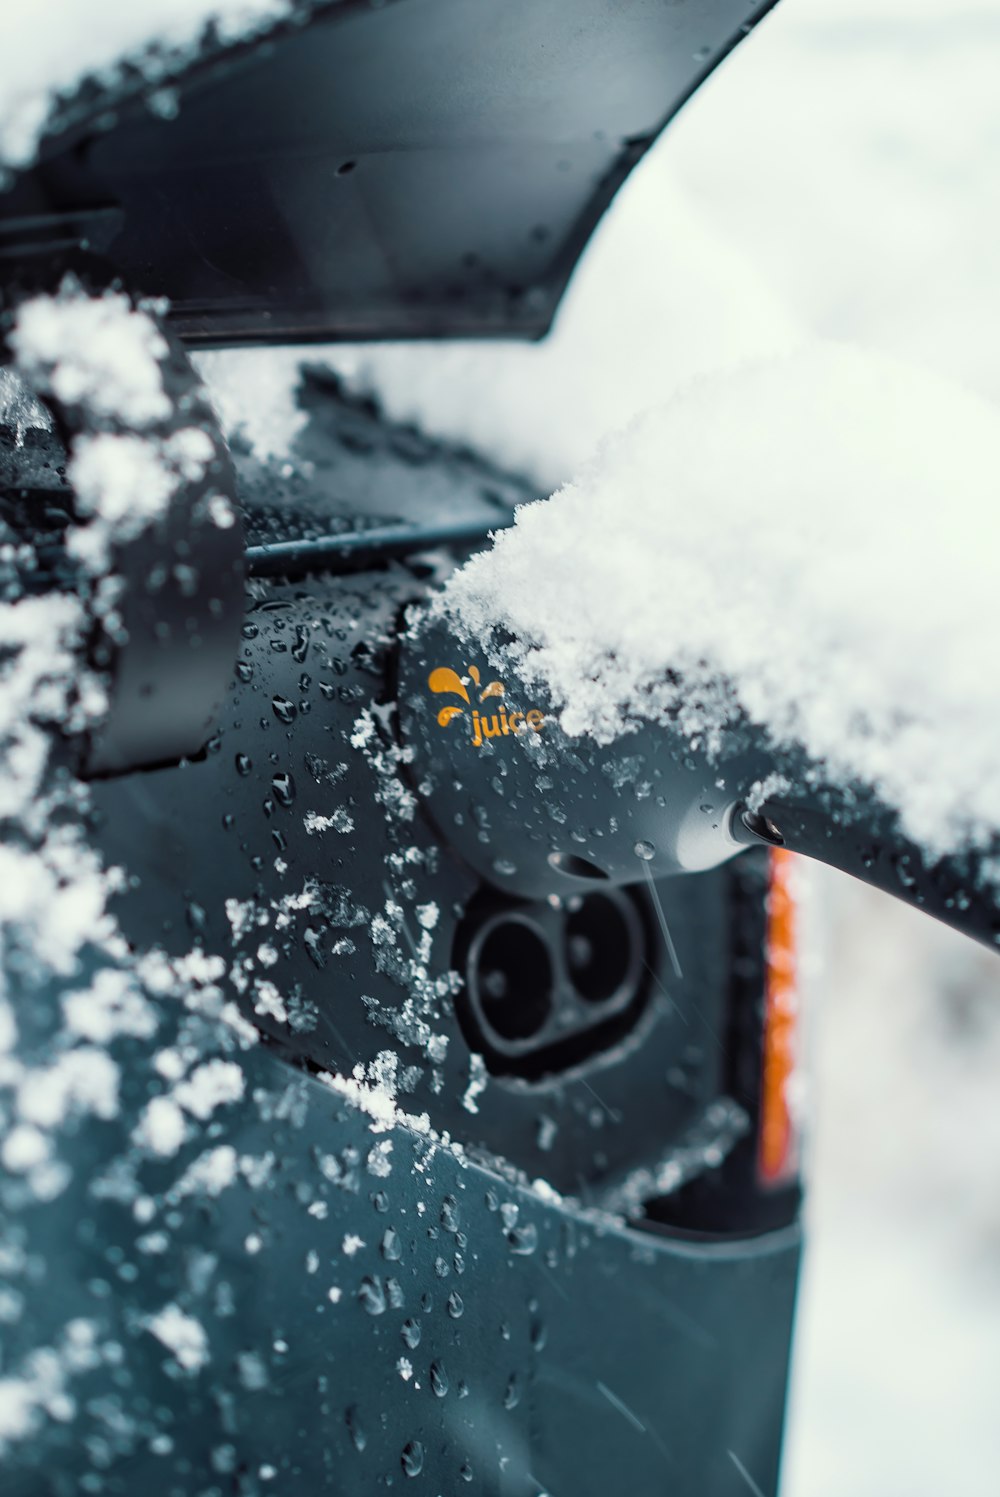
[819,533]
[53,46]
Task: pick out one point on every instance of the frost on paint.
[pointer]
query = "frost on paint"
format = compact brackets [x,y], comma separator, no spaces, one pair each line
[814,537]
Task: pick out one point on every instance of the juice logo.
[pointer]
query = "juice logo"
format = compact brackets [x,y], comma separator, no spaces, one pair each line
[483,725]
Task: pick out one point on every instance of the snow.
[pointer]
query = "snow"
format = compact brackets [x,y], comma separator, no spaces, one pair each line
[182,1335]
[214,1084]
[859,619]
[104,355]
[20,409]
[210,1174]
[24,1147]
[162,1127]
[477,1083]
[52,46]
[112,1005]
[83,1080]
[109,474]
[39,1387]
[340,821]
[37,640]
[93,351]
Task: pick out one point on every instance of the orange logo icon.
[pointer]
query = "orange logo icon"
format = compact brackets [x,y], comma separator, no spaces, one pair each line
[446,681]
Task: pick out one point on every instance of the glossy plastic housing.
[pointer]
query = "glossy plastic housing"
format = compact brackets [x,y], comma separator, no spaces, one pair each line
[426,168]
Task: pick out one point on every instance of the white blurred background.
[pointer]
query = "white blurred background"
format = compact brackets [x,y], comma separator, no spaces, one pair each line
[838,176]
[849,153]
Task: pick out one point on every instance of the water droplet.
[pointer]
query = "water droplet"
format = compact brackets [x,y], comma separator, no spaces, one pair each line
[223,1459]
[391,1248]
[358,1436]
[284,710]
[410,1332]
[523,1240]
[394,1290]
[466,1472]
[412,1459]
[442,1268]
[439,1380]
[372,1296]
[645,850]
[284,788]
[512,1394]
[250,631]
[456,1305]
[244,670]
[450,1218]
[244,764]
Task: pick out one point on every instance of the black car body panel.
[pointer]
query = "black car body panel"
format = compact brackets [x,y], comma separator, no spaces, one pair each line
[590,1360]
[426,168]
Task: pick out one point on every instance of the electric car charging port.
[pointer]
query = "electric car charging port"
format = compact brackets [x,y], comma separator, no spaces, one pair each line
[548,986]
